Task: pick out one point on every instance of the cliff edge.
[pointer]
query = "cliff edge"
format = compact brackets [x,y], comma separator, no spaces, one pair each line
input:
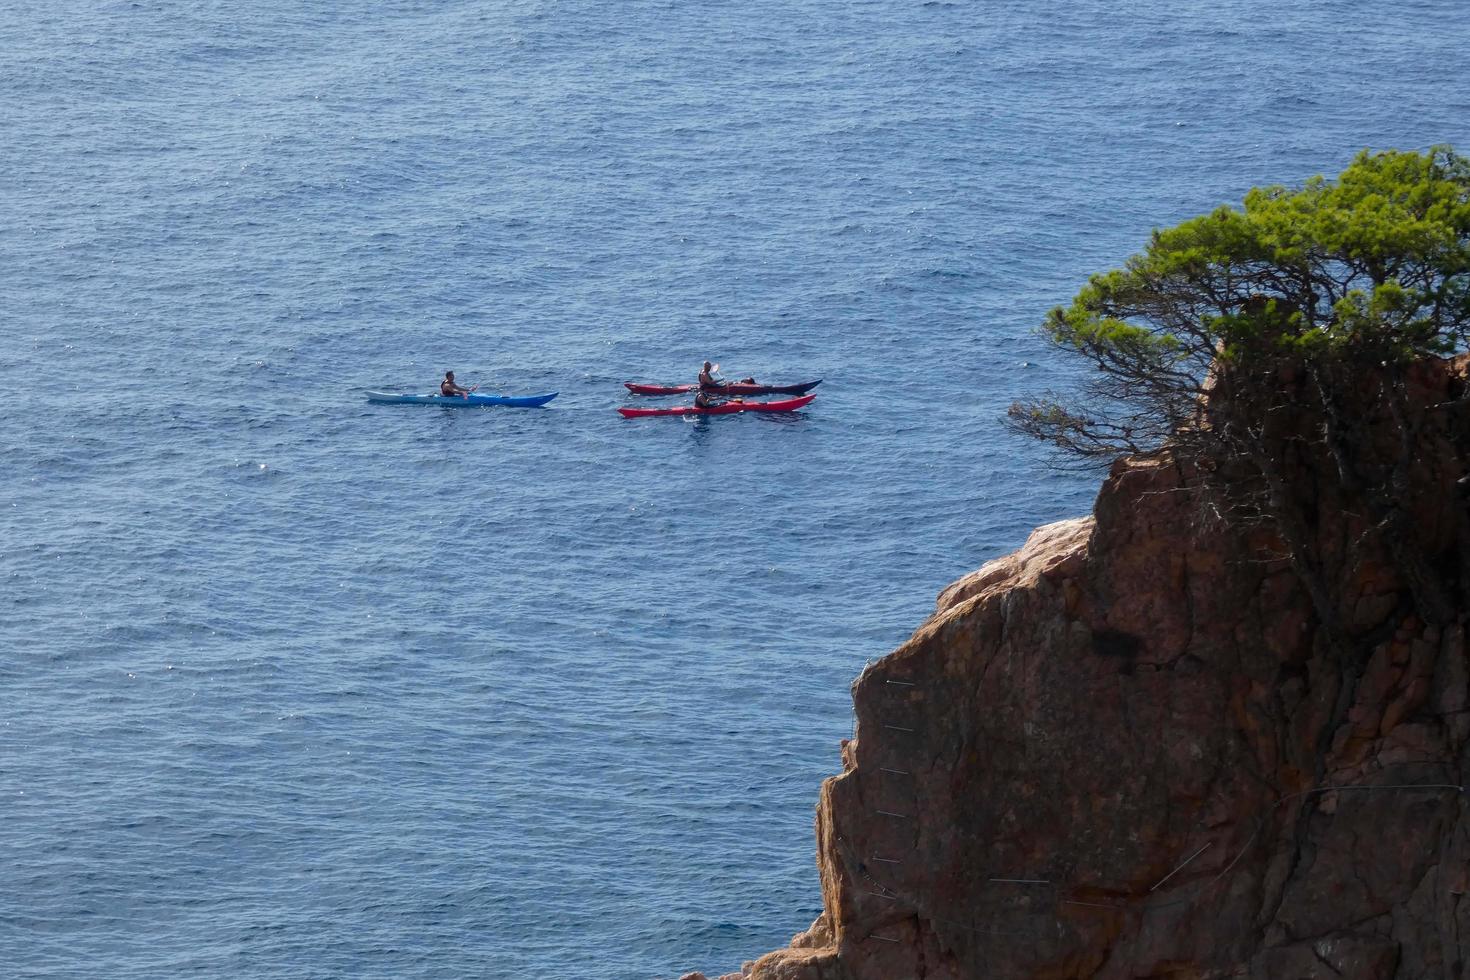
[1133,749]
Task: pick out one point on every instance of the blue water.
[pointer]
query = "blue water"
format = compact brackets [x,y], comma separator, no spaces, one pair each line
[296,686]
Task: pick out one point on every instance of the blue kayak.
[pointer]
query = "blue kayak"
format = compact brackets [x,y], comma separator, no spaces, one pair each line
[472,400]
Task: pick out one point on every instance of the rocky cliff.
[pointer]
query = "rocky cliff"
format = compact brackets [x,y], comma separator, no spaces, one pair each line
[1133,749]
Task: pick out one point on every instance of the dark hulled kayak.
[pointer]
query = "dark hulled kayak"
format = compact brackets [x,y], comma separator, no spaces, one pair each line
[733,388]
[728,408]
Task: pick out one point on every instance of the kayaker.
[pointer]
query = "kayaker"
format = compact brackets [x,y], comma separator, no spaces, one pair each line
[703,399]
[449,389]
[707,377]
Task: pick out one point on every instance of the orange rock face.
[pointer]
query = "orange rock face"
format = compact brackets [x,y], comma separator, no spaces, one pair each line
[1131,750]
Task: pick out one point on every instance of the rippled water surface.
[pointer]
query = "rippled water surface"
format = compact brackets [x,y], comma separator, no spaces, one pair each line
[299,686]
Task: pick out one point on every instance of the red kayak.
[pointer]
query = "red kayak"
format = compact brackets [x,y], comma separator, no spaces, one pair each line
[728,408]
[732,388]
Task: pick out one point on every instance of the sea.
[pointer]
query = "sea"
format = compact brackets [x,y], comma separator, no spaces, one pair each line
[297,686]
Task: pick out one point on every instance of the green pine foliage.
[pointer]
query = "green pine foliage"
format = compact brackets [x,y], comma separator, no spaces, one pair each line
[1372,268]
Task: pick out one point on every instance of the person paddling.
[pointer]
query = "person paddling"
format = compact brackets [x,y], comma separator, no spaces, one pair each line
[703,399]
[707,377]
[449,389]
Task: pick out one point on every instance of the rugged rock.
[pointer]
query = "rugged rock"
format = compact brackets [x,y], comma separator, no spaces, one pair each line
[1133,749]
